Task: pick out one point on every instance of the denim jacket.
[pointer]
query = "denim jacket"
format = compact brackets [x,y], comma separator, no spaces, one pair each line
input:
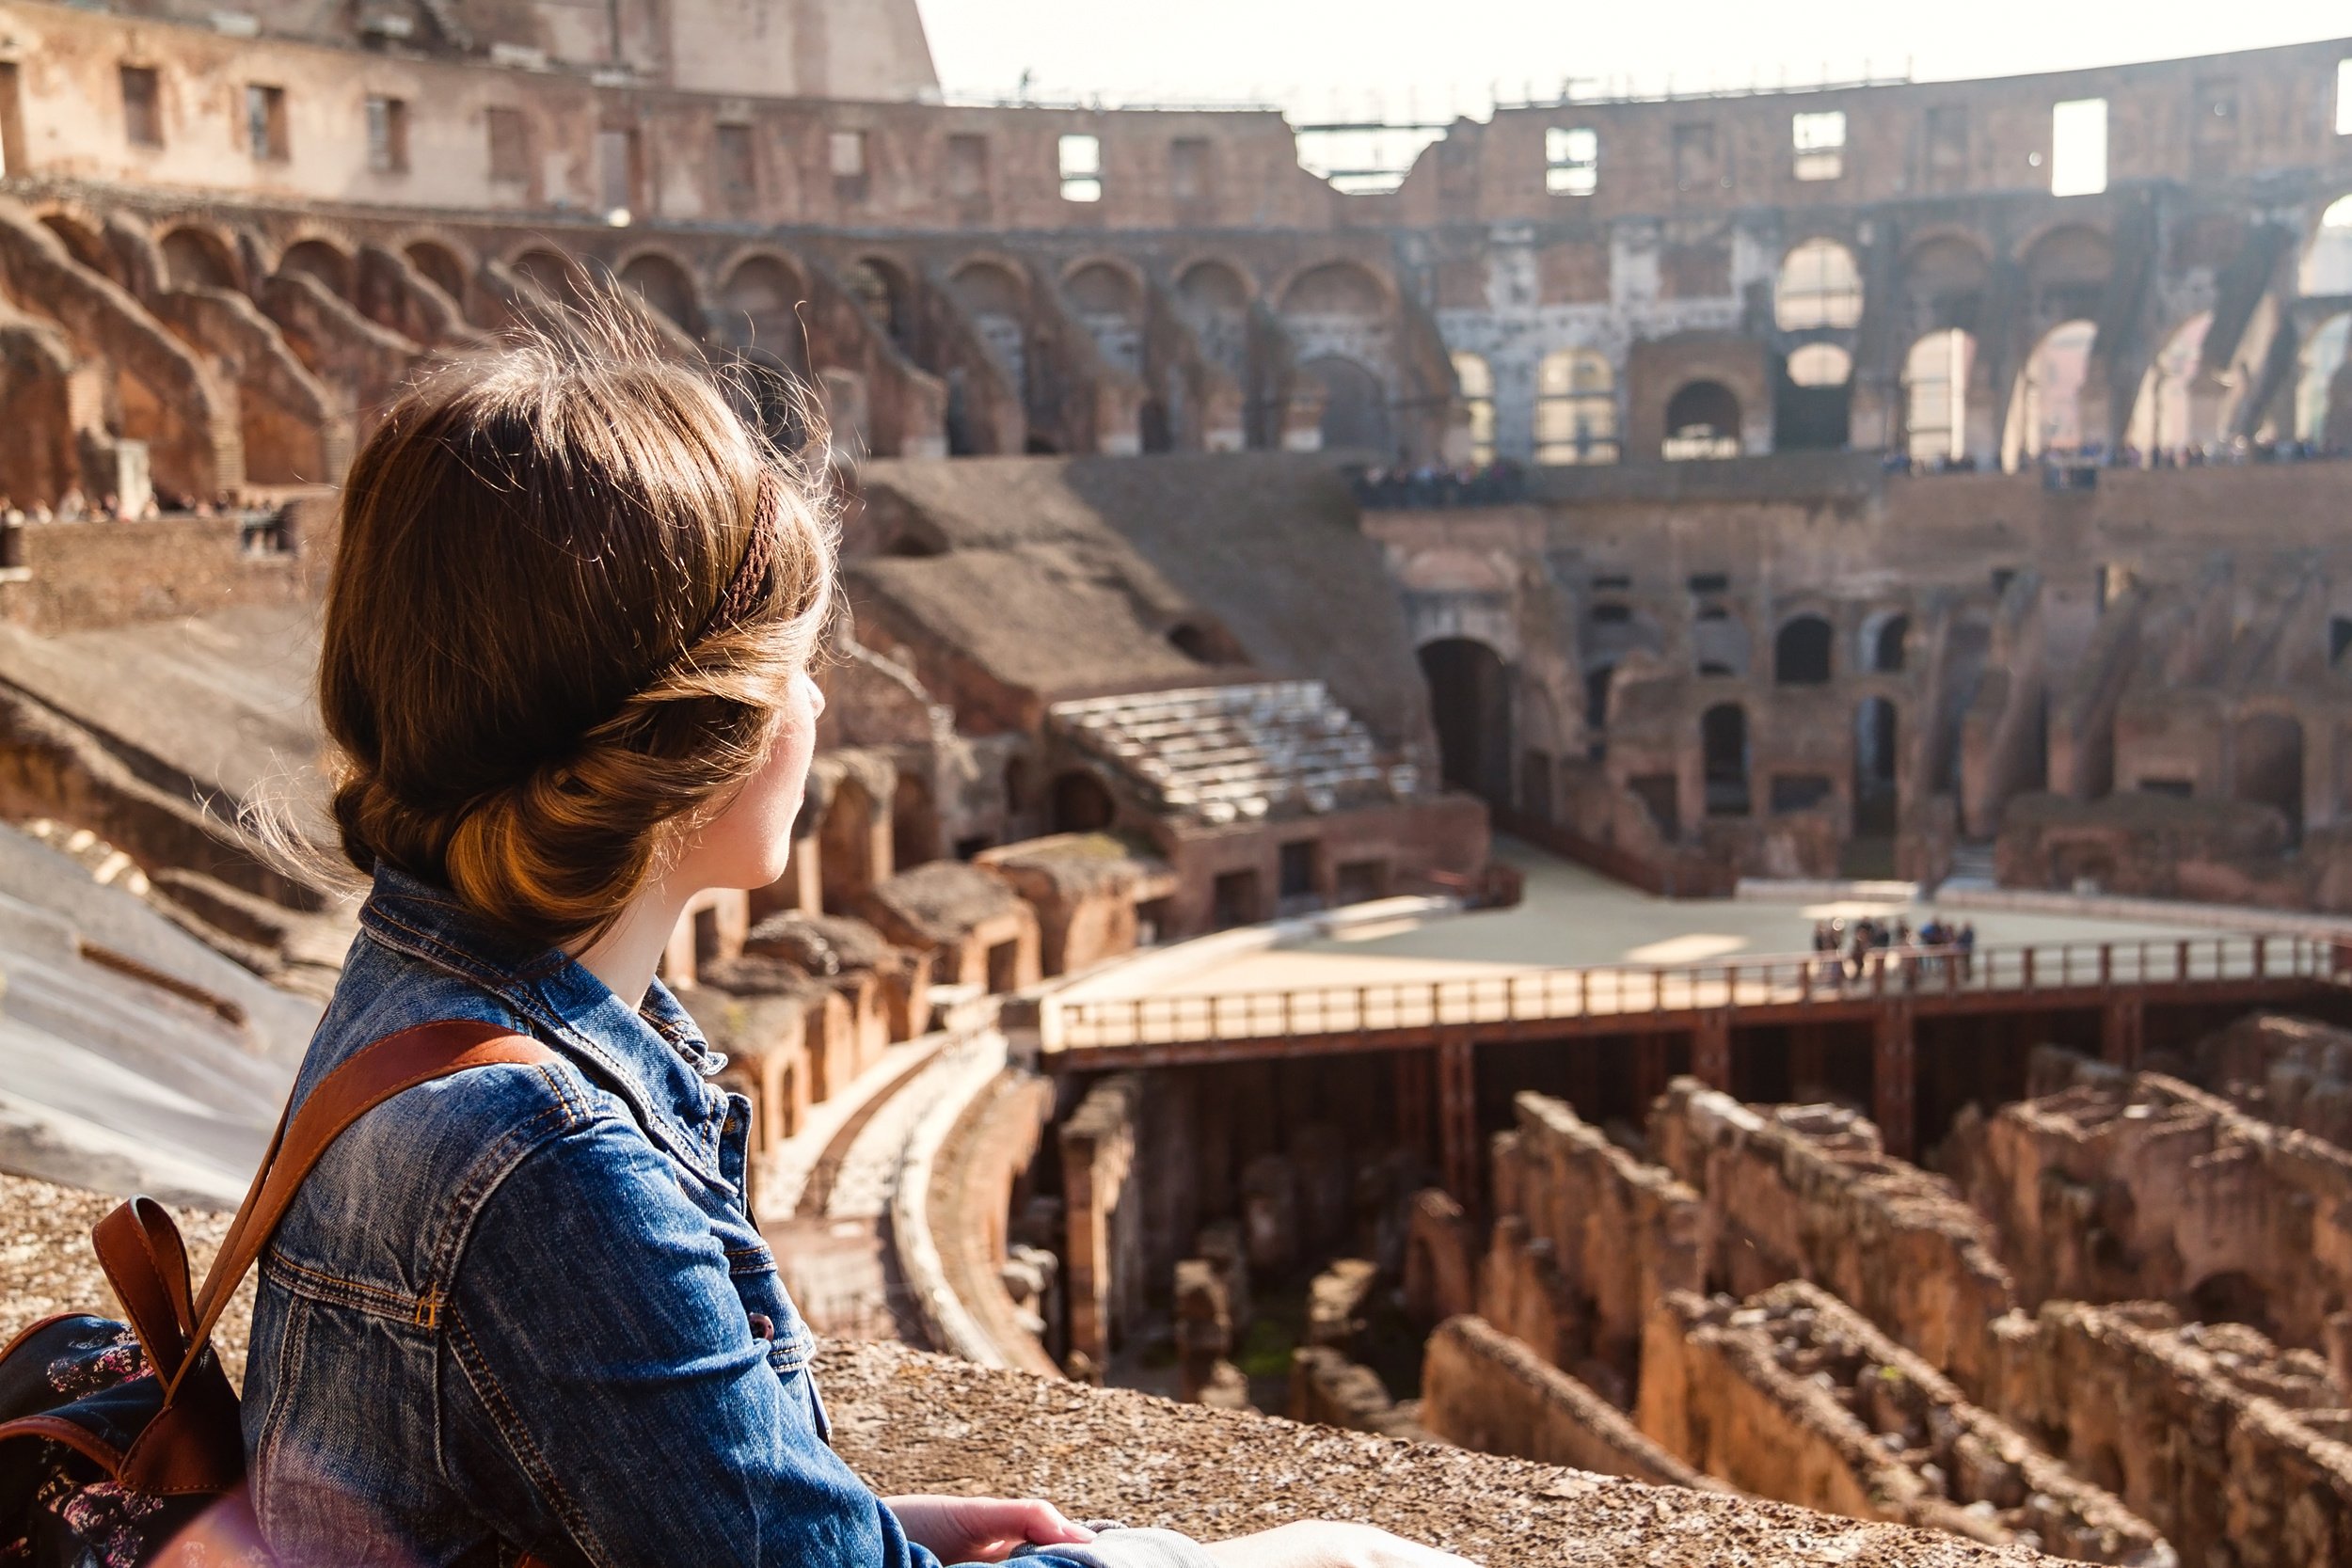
[526,1308]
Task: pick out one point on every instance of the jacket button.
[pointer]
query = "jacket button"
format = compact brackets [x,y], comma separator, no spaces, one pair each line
[762,1327]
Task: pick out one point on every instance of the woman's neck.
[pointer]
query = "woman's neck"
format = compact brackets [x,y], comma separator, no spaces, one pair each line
[625,957]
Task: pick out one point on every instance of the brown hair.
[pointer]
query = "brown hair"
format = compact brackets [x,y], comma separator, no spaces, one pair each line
[527,669]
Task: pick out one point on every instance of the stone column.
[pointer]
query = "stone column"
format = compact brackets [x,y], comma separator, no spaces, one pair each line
[1893,1071]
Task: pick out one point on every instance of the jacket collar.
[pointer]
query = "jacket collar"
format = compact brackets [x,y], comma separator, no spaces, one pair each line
[653,1056]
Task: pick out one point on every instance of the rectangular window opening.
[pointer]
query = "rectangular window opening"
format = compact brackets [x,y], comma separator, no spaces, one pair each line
[846,152]
[2343,98]
[1081,168]
[142,117]
[1188,169]
[2079,147]
[1571,159]
[1818,141]
[387,135]
[510,145]
[738,176]
[265,122]
[616,173]
[967,166]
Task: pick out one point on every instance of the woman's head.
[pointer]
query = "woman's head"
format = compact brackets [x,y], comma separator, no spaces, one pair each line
[569,620]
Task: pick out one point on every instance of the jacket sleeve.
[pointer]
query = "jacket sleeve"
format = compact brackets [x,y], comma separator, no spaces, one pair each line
[600,1359]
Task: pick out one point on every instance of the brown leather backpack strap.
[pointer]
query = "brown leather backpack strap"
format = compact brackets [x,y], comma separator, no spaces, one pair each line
[371,1075]
[146,1262]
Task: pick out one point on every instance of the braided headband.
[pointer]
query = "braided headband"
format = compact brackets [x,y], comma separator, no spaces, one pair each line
[749,586]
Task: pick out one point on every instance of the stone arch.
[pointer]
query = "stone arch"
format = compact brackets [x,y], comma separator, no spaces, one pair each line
[196,256]
[1470,701]
[1944,276]
[1337,288]
[1081,802]
[914,822]
[323,260]
[1107,296]
[665,282]
[2327,264]
[1885,636]
[2057,408]
[1354,403]
[994,295]
[2183,404]
[2067,268]
[82,242]
[2266,765]
[845,845]
[1937,372]
[883,291]
[2323,385]
[1701,421]
[1725,759]
[1803,651]
[1877,767]
[441,264]
[1818,285]
[559,276]
[760,302]
[1213,297]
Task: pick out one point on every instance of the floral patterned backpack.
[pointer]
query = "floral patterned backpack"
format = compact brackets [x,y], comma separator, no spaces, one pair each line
[120,1443]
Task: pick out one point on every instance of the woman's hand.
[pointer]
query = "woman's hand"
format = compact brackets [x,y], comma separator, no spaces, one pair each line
[985,1530]
[1327,1543]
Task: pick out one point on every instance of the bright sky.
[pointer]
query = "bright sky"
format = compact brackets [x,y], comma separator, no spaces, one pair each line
[1329,58]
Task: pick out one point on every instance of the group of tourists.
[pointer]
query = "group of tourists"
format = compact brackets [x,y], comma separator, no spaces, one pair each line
[1936,948]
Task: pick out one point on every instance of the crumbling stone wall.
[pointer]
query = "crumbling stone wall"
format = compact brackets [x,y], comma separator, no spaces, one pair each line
[1794,1396]
[1806,1191]
[2124,1187]
[2131,1401]
[1330,1390]
[1484,1390]
[1102,1260]
[1621,1233]
[2291,1071]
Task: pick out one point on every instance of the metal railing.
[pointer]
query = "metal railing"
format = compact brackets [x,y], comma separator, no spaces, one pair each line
[1627,990]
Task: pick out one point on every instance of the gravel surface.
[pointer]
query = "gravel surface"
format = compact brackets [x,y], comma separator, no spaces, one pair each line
[913,1422]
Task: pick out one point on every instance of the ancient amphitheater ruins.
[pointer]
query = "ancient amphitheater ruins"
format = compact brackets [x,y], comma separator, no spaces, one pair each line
[1358,707]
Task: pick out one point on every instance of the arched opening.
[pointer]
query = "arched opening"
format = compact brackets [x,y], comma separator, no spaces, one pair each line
[913,823]
[997,304]
[2051,414]
[1719,644]
[555,273]
[1724,759]
[1819,286]
[1081,803]
[1876,765]
[760,306]
[1813,404]
[1109,304]
[83,246]
[1336,291]
[2323,387]
[1470,701]
[1882,640]
[664,284]
[1702,422]
[2327,267]
[881,295]
[1802,652]
[2067,272]
[318,259]
[845,847]
[2232,1296]
[2266,765]
[1936,397]
[1597,682]
[1575,407]
[1355,406]
[195,259]
[1944,282]
[2181,407]
[1214,301]
[441,268]
[1474,380]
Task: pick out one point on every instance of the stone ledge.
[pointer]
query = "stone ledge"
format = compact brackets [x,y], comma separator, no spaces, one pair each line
[910,1422]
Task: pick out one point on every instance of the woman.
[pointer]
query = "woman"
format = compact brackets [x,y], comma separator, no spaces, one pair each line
[567,644]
